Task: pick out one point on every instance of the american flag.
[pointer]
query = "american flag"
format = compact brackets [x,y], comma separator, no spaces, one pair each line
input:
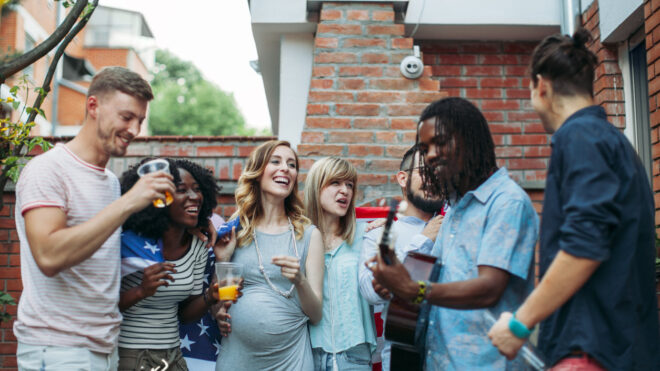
[200,341]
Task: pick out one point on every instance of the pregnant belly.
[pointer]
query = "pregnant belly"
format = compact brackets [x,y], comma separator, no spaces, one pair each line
[261,319]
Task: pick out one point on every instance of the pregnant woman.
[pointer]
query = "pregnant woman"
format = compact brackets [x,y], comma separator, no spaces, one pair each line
[282,254]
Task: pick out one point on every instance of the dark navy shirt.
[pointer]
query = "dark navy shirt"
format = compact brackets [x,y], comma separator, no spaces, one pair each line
[598,205]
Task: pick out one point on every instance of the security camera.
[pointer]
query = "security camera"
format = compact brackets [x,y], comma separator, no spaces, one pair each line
[412,66]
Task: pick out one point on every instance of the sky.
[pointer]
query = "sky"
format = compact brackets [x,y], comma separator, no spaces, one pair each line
[216,36]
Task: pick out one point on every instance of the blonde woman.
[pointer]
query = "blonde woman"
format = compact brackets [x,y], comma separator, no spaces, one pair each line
[345,337]
[282,254]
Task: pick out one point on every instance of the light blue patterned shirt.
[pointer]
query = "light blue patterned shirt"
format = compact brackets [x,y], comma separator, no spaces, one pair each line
[347,317]
[494,225]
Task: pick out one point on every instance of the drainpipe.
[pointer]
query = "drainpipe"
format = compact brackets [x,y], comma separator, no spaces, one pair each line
[58,77]
[570,16]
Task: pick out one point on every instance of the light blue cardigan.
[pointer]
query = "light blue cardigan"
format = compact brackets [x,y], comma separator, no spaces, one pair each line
[348,318]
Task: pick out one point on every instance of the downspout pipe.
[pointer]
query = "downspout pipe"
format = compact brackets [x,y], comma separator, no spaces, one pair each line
[56,80]
[570,16]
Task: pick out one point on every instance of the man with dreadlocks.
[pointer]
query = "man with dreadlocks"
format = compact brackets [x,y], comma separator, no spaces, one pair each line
[486,242]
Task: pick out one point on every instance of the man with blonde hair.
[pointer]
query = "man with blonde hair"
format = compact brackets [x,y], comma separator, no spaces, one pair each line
[68,216]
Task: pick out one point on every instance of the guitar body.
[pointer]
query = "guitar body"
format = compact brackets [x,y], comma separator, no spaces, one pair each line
[406,323]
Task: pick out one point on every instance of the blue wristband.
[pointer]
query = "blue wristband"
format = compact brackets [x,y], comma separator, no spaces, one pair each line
[518,328]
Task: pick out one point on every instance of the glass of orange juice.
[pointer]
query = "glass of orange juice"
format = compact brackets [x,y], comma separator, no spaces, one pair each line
[229,276]
[153,166]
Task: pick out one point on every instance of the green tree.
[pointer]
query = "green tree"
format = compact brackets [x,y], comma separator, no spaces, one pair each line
[169,67]
[186,104]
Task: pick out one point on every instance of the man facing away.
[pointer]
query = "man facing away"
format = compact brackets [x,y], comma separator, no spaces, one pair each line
[415,231]
[486,242]
[597,296]
[68,216]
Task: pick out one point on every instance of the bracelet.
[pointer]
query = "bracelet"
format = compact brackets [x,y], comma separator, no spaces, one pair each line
[421,292]
[517,328]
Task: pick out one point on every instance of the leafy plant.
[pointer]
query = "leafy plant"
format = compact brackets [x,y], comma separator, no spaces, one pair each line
[15,140]
[5,299]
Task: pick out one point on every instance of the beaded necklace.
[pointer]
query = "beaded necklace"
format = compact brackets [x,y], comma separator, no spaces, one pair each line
[286,294]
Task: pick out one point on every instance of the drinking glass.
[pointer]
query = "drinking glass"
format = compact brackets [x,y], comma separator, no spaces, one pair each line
[229,276]
[153,166]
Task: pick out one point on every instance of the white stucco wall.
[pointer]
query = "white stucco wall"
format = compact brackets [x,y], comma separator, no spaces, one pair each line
[619,18]
[296,59]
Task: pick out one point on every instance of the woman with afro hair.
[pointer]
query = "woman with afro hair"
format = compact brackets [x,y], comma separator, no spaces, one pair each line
[155,300]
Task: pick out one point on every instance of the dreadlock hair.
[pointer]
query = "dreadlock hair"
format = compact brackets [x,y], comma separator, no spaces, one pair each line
[566,62]
[473,157]
[152,222]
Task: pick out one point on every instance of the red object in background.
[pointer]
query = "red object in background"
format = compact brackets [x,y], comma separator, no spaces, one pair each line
[371,212]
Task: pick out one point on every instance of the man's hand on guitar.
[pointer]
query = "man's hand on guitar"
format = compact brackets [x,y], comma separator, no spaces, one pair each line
[394,277]
[380,290]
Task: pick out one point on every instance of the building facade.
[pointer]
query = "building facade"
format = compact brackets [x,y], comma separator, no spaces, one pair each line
[332,76]
[112,37]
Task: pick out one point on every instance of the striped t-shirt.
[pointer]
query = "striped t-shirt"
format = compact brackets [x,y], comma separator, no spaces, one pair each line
[78,306]
[153,323]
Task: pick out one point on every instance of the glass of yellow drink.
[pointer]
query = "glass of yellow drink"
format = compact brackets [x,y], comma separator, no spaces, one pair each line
[152,166]
[229,276]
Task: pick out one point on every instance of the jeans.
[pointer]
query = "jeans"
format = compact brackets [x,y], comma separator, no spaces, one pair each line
[357,358]
[51,358]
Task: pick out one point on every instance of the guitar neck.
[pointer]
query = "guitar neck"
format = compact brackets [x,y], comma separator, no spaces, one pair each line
[384,245]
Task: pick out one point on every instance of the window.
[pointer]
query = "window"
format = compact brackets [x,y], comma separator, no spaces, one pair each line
[638,128]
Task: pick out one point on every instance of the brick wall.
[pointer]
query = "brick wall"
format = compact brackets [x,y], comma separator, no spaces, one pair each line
[651,25]
[608,84]
[361,107]
[44,12]
[71,106]
[8,29]
[12,40]
[101,57]
[493,76]
[225,156]
[10,279]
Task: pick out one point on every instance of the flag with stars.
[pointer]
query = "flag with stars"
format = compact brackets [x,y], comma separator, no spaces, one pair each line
[200,341]
[138,252]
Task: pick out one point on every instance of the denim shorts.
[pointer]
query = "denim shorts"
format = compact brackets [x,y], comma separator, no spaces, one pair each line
[357,358]
[51,358]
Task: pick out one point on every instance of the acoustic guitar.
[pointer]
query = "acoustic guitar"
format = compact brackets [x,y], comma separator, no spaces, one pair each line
[406,323]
